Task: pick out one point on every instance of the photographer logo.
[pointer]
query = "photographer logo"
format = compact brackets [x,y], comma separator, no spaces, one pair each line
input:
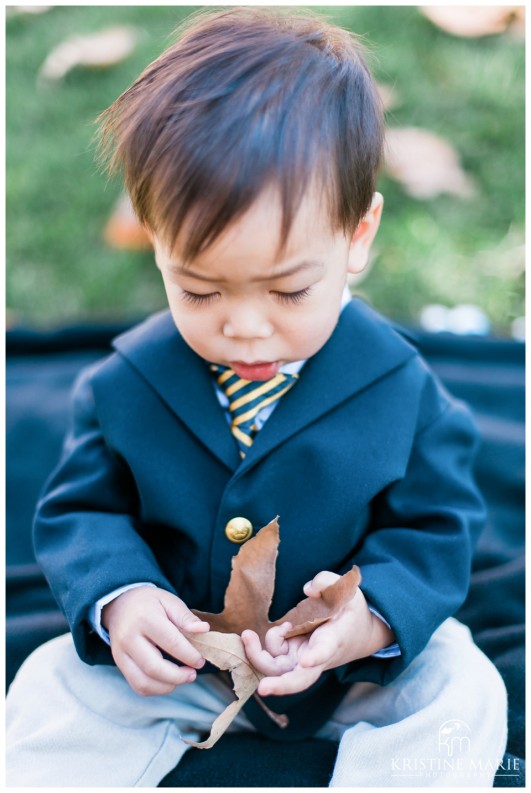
[454,738]
[451,754]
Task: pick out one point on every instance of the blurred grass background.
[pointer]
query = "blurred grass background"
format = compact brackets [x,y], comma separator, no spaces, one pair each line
[445,250]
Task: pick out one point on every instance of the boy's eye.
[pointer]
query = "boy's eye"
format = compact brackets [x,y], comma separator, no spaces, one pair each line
[195,299]
[293,297]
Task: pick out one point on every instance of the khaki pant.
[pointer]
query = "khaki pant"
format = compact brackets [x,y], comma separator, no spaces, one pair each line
[442,722]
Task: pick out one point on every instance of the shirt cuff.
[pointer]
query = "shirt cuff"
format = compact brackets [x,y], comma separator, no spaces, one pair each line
[94,616]
[392,650]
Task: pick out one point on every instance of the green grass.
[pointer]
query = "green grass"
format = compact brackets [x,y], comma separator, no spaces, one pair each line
[445,250]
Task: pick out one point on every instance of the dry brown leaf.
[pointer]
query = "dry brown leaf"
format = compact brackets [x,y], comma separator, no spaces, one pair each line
[471,21]
[250,591]
[425,164]
[247,601]
[94,51]
[312,612]
[226,651]
[123,229]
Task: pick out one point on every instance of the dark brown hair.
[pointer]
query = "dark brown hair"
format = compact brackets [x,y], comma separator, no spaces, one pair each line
[245,99]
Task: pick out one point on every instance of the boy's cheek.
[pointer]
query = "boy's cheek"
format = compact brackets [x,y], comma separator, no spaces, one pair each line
[313,335]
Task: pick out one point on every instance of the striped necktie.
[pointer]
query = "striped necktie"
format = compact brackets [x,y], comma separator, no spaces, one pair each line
[247,398]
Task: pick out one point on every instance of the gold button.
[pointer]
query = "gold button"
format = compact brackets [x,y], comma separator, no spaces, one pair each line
[238,529]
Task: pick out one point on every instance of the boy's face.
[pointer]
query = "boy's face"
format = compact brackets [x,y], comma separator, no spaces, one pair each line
[237,306]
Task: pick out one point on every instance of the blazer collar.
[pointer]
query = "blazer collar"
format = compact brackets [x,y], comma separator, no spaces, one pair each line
[182,379]
[362,349]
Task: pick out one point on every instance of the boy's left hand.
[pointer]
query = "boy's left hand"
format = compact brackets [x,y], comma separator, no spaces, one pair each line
[292,665]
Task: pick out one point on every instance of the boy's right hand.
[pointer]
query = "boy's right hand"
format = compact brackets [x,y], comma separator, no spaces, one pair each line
[142,622]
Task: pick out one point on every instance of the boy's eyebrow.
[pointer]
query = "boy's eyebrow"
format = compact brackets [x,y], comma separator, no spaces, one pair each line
[308,264]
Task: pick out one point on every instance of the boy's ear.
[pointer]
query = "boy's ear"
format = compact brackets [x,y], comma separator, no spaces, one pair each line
[362,238]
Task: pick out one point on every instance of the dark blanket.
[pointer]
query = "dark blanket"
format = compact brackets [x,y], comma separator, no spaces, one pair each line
[487,373]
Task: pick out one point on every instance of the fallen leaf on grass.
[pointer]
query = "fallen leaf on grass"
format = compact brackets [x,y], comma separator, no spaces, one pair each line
[26,10]
[471,21]
[94,51]
[425,164]
[123,229]
[247,602]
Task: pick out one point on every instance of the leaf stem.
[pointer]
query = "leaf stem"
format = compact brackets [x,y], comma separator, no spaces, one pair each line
[280,719]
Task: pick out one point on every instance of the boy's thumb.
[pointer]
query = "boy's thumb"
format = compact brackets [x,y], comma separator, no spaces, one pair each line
[320,582]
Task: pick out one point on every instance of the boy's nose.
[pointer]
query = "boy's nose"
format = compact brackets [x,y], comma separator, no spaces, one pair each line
[247,323]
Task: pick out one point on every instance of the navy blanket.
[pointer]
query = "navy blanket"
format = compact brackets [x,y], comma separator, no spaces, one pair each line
[487,373]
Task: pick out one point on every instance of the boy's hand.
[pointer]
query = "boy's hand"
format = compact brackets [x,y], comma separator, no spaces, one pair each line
[141,623]
[292,665]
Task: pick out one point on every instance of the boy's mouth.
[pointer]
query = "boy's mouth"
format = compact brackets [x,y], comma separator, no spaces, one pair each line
[259,370]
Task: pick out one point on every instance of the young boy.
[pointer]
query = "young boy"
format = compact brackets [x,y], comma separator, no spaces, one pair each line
[250,150]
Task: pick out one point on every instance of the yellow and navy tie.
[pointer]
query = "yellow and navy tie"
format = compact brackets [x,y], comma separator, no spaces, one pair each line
[247,398]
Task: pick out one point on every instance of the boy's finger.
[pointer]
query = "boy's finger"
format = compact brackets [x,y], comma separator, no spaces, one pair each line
[263,661]
[168,637]
[182,617]
[260,658]
[149,660]
[321,581]
[162,682]
[275,640]
[289,683]
[192,624]
[251,641]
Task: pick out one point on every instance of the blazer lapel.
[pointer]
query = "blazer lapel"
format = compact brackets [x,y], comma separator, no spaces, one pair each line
[183,381]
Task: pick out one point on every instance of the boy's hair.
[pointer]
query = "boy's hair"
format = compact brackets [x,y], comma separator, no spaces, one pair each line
[246,99]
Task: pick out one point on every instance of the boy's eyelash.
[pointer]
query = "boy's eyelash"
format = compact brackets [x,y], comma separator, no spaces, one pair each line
[191,297]
[283,297]
[293,297]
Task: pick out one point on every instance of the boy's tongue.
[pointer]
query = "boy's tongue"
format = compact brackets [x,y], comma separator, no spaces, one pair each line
[255,371]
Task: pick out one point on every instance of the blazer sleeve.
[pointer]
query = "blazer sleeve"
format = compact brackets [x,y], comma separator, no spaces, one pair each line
[416,558]
[85,530]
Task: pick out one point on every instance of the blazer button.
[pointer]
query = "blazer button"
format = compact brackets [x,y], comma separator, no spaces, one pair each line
[238,529]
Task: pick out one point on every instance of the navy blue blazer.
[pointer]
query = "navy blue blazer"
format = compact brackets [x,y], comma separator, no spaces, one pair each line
[368,460]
